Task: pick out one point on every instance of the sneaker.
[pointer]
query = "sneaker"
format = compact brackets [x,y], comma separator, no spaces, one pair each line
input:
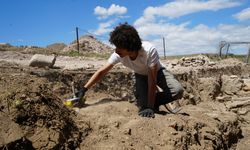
[172,110]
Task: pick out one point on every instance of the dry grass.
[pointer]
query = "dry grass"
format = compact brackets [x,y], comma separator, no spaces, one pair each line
[88,54]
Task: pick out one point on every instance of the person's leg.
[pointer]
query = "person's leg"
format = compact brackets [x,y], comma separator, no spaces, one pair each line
[172,89]
[141,90]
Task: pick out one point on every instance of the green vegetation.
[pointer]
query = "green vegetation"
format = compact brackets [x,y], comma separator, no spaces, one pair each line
[97,55]
[8,47]
[73,54]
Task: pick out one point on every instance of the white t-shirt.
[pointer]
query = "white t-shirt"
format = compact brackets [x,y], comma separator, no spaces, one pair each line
[147,57]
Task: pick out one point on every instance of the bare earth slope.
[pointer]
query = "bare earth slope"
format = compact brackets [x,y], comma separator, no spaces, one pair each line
[214,115]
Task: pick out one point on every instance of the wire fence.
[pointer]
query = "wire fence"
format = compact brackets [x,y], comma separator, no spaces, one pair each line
[225,49]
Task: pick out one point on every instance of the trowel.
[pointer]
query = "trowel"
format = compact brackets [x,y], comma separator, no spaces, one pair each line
[73,100]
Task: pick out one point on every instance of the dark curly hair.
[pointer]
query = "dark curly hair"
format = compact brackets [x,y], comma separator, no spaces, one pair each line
[125,36]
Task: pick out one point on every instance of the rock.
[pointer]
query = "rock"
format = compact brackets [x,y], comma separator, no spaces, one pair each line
[211,63]
[240,98]
[195,61]
[246,84]
[127,131]
[223,98]
[231,85]
[117,124]
[234,77]
[236,104]
[10,131]
[243,111]
[148,147]
[44,138]
[209,88]
[39,60]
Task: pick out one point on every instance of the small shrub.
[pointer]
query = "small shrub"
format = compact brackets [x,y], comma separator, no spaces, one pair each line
[73,54]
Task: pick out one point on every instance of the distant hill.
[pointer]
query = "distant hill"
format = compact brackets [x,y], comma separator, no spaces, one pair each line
[57,46]
[88,43]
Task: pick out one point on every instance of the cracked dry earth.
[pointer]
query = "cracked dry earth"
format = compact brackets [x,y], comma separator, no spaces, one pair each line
[215,109]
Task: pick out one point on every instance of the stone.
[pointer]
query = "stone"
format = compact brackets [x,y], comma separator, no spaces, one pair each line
[39,60]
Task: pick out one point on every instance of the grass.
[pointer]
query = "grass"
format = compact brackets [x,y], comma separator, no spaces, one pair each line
[47,51]
[73,54]
[97,55]
[87,54]
[239,57]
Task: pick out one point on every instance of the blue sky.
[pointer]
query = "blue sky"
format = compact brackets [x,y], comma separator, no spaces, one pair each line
[188,26]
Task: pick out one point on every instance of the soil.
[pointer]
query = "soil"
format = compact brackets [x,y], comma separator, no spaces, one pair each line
[215,107]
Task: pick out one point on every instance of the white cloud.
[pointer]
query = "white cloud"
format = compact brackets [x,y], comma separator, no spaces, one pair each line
[104,28]
[183,39]
[183,7]
[103,13]
[200,39]
[243,15]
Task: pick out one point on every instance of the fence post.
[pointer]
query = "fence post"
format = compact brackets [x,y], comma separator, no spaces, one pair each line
[164,48]
[228,45]
[248,55]
[221,45]
[77,39]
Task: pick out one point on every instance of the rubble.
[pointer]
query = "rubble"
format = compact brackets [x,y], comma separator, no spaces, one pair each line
[195,61]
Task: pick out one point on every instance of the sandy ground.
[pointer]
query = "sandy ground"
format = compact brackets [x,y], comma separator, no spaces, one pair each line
[61,61]
[214,115]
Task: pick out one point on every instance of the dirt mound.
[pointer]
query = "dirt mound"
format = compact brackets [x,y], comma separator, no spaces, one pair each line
[32,116]
[89,44]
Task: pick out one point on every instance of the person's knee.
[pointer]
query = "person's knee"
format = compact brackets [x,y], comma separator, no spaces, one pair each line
[178,92]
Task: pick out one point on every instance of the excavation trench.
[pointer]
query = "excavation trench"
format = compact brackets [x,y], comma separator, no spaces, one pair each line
[214,111]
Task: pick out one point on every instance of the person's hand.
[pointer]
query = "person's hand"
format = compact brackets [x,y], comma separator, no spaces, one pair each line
[80,93]
[148,112]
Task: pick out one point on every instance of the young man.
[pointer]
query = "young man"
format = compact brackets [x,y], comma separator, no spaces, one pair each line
[142,57]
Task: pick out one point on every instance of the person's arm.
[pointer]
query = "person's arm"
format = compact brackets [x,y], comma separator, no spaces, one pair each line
[98,75]
[152,78]
[152,82]
[95,78]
